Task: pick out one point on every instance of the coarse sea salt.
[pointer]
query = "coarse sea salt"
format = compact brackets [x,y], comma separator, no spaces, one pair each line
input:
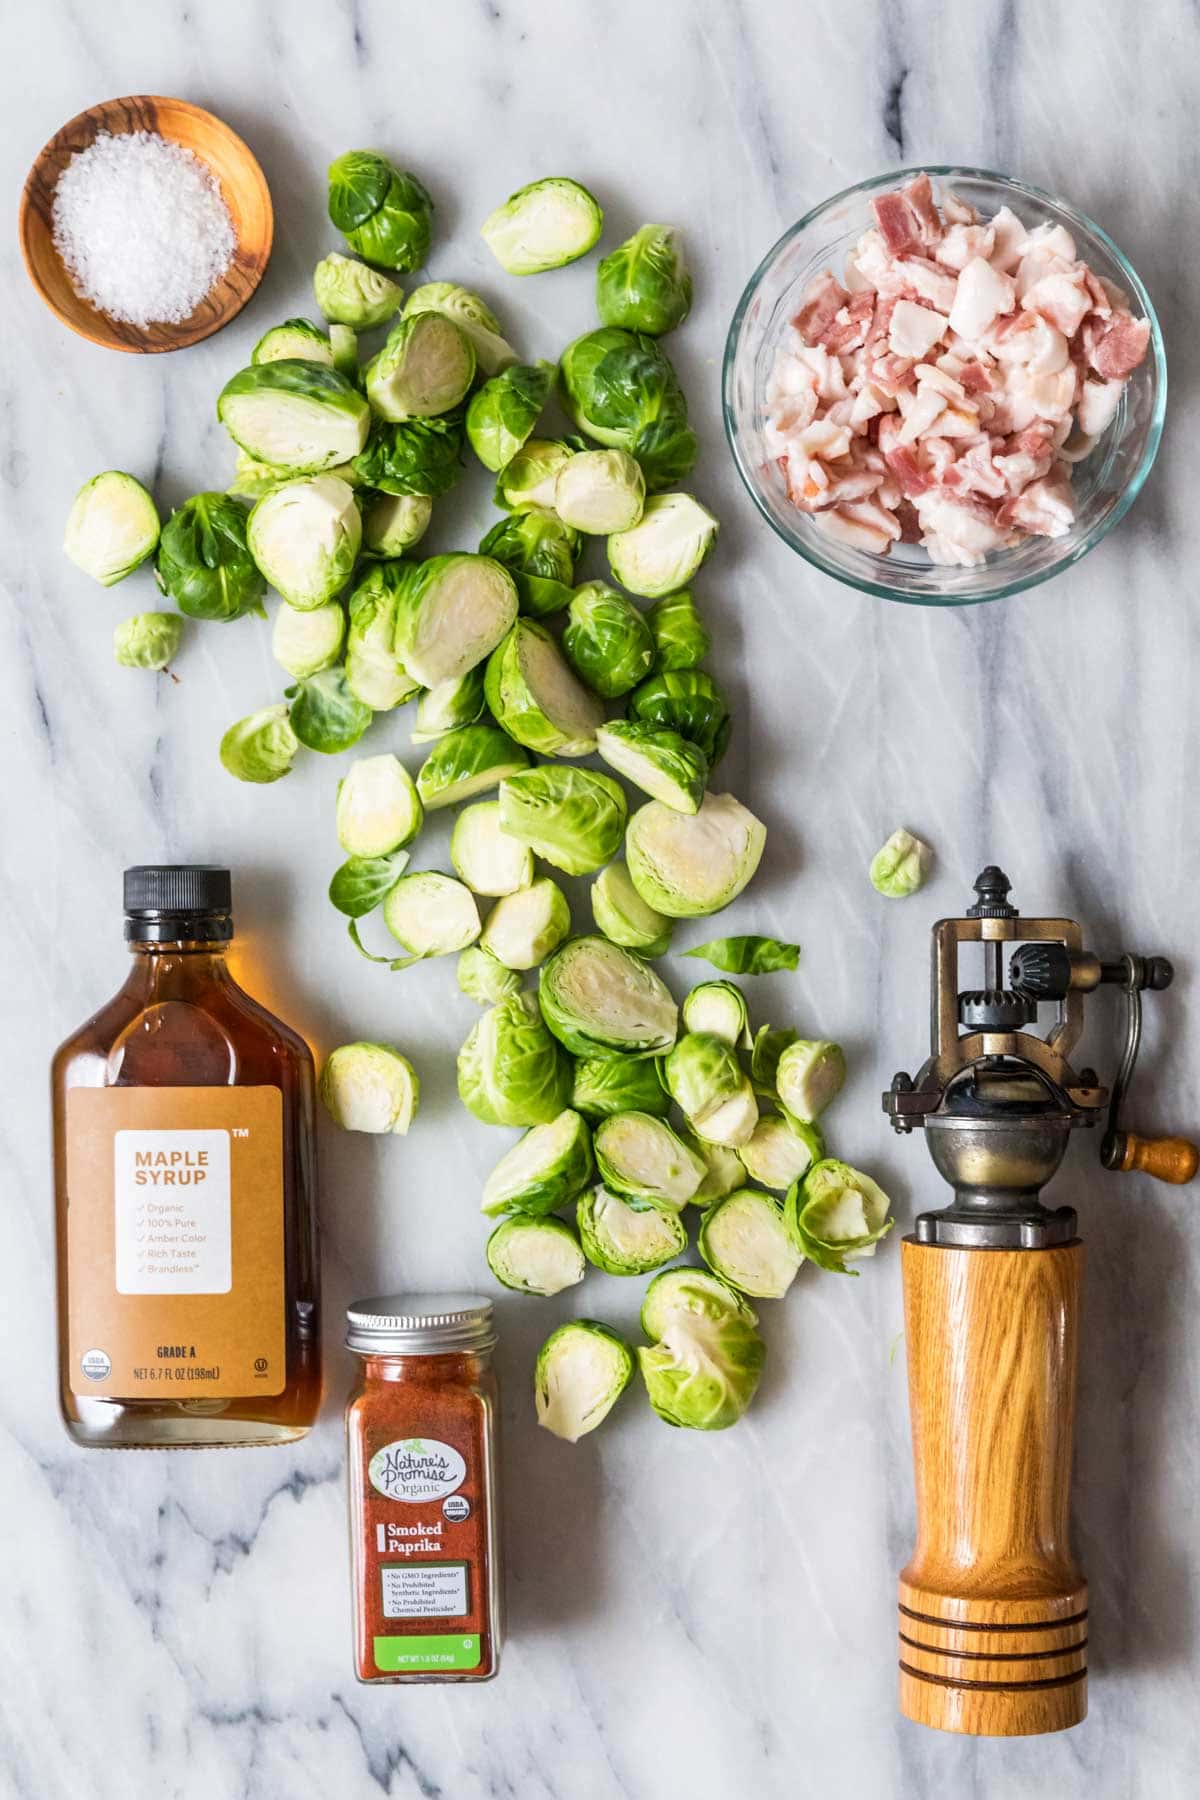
[141,228]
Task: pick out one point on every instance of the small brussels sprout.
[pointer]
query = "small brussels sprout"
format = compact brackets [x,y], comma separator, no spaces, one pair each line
[505,410]
[687,701]
[451,613]
[304,643]
[688,866]
[204,564]
[536,698]
[431,915]
[370,1087]
[600,492]
[425,368]
[296,415]
[535,1256]
[483,979]
[383,213]
[601,1000]
[492,353]
[901,867]
[619,388]
[523,928]
[624,1239]
[305,536]
[836,1213]
[748,955]
[361,883]
[723,1170]
[543,226]
[705,1358]
[378,808]
[349,293]
[393,523]
[644,284]
[112,527]
[295,340]
[665,548]
[613,1084]
[374,673]
[452,703]
[623,916]
[660,762]
[530,479]
[540,553]
[718,1009]
[420,458]
[544,1171]
[511,1071]
[572,818]
[467,762]
[744,1240]
[606,640]
[680,638]
[261,747]
[485,856]
[640,1158]
[781,1150]
[808,1075]
[326,715]
[251,480]
[343,342]
[770,1042]
[583,1368]
[147,640]
[701,1072]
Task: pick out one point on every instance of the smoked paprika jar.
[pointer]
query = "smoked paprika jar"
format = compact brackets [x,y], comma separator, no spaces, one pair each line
[421,1463]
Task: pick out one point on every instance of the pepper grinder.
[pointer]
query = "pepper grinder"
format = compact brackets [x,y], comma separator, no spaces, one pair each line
[993,1605]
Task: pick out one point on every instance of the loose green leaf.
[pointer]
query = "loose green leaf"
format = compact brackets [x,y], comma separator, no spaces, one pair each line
[747,955]
[362,882]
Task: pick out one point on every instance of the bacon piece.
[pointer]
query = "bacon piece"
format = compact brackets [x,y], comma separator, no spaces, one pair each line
[1101,302]
[850,327]
[1046,508]
[982,295]
[958,211]
[865,526]
[919,195]
[1097,405]
[977,472]
[1120,346]
[1062,298]
[820,304]
[964,242]
[914,330]
[1008,239]
[969,525]
[974,377]
[892,375]
[896,223]
[902,459]
[1030,340]
[921,278]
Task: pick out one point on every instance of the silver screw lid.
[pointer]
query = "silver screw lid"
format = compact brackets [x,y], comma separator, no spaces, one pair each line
[419,1324]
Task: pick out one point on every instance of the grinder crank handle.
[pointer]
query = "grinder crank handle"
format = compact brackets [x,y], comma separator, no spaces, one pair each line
[1173,1159]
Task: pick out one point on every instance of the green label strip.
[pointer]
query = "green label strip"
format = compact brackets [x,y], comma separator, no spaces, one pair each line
[425,1655]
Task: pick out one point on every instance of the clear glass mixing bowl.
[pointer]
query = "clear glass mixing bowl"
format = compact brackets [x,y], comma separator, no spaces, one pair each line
[1106,484]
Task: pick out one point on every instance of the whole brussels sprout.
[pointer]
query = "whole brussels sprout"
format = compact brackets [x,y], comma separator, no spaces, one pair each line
[204,561]
[112,527]
[626,1239]
[296,415]
[349,293]
[644,284]
[601,1000]
[295,339]
[384,213]
[543,226]
[615,1084]
[535,1256]
[680,639]
[744,1240]
[687,701]
[705,1358]
[540,552]
[534,696]
[147,640]
[666,546]
[901,866]
[530,480]
[370,1087]
[511,1071]
[304,643]
[687,866]
[413,456]
[623,916]
[305,537]
[582,1370]
[572,818]
[476,318]
[505,410]
[606,640]
[619,388]
[835,1213]
[261,747]
[544,1171]
[424,370]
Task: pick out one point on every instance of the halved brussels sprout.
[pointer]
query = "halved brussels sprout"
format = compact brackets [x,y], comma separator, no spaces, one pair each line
[623,916]
[430,914]
[393,523]
[583,1368]
[485,856]
[326,714]
[572,818]
[536,698]
[687,701]
[466,762]
[660,762]
[600,491]
[748,955]
[544,1171]
[687,866]
[606,640]
[472,315]
[723,1170]
[535,1256]
[540,554]
[530,479]
[733,1122]
[448,706]
[425,368]
[147,640]
[349,293]
[511,1071]
[204,563]
[600,1000]
[370,1087]
[261,747]
[640,1158]
[836,1213]
[543,226]
[112,527]
[704,1363]
[781,1150]
[620,388]
[744,1240]
[718,1008]
[305,537]
[343,342]
[374,673]
[809,1074]
[451,613]
[296,415]
[378,807]
[644,284]
[304,643]
[505,410]
[665,548]
[483,979]
[901,866]
[701,1073]
[382,212]
[361,883]
[415,457]
[523,928]
[614,1084]
[680,638]
[295,340]
[623,1239]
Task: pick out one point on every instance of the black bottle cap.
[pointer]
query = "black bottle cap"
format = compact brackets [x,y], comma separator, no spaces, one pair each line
[177,902]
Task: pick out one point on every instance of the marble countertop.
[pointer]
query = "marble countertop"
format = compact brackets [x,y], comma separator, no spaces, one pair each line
[690,1616]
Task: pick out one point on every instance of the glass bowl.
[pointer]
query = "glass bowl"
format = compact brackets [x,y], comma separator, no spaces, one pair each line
[1106,483]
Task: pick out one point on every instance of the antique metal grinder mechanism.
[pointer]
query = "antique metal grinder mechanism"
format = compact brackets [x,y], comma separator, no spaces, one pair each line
[993,1607]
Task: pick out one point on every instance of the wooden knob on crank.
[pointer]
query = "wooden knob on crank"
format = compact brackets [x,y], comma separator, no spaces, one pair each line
[1173,1159]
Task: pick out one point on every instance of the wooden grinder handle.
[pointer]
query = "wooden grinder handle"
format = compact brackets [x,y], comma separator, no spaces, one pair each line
[1173,1159]
[993,1607]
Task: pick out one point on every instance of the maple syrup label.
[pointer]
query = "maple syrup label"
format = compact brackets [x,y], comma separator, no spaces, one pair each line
[175,1254]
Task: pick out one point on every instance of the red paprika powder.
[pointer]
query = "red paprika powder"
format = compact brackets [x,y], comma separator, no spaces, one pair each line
[421,1462]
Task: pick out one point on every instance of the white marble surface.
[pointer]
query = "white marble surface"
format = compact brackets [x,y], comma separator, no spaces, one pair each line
[690,1616]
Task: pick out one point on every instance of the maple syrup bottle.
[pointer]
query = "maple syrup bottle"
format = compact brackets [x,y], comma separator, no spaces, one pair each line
[185,1175]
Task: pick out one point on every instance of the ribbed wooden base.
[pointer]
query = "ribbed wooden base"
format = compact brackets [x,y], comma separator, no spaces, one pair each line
[1014,1669]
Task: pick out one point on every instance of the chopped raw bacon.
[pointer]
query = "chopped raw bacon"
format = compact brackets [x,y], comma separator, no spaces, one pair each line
[896,223]
[1120,347]
[923,280]
[975,378]
[1046,508]
[822,300]
[959,212]
[962,243]
[902,459]
[1098,403]
[850,326]
[919,195]
[1061,298]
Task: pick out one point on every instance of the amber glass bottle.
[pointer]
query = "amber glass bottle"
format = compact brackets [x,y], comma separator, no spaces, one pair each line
[185,1175]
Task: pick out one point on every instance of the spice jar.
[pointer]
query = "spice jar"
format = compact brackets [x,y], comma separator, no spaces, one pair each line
[421,1463]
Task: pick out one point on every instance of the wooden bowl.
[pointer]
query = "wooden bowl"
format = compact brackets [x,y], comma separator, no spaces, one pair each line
[243,187]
